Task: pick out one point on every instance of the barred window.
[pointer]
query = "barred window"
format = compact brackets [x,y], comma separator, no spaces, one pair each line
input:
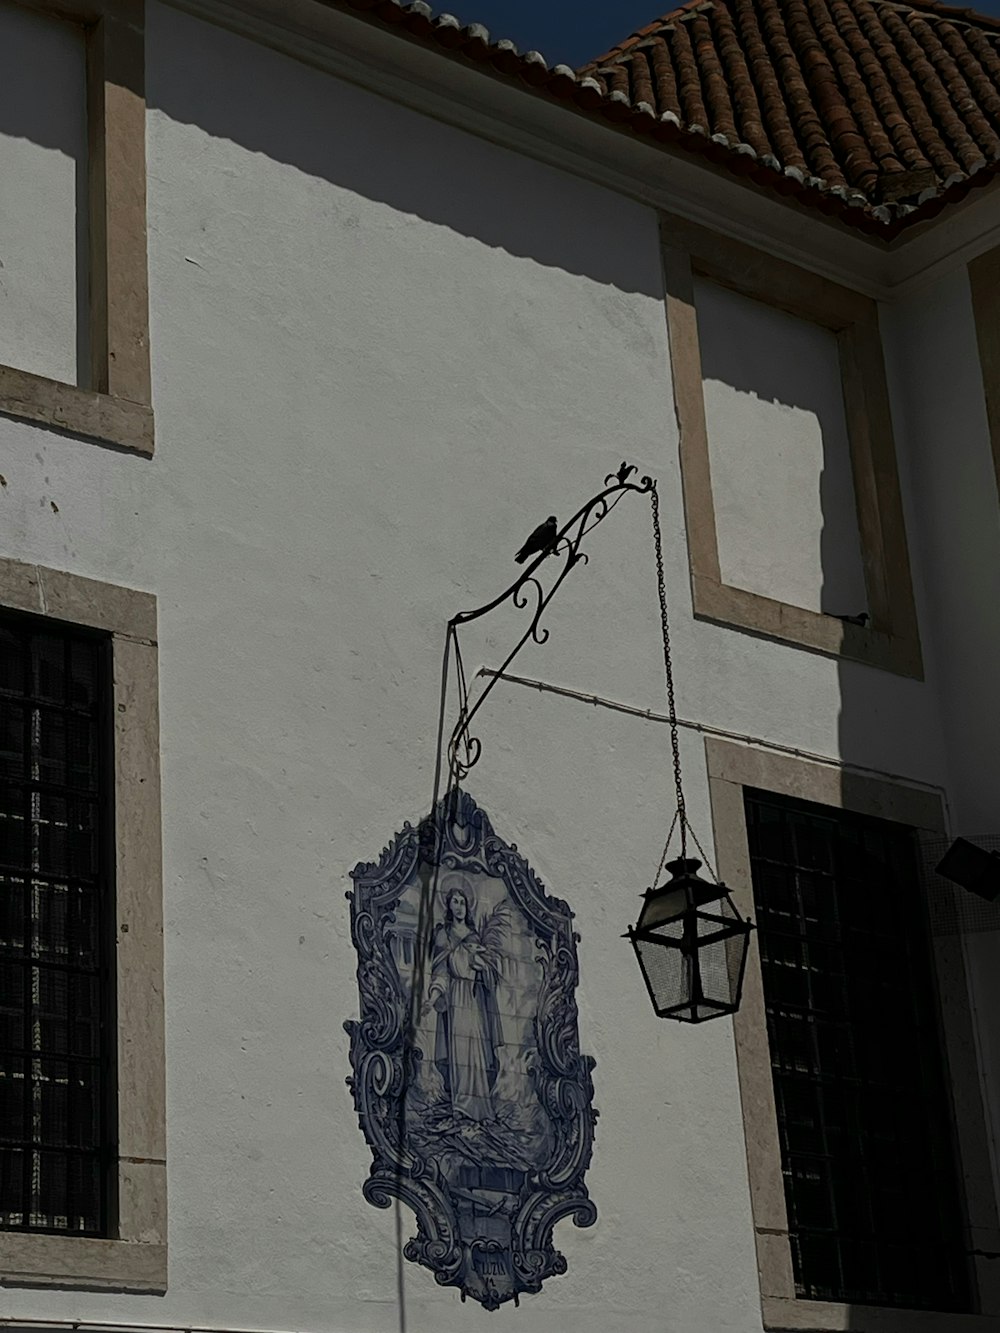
[867,1151]
[56,1047]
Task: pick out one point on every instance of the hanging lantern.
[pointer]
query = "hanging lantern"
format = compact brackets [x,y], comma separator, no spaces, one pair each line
[692,946]
[690,941]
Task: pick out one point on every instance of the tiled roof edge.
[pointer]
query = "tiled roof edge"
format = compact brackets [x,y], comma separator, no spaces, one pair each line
[932,8]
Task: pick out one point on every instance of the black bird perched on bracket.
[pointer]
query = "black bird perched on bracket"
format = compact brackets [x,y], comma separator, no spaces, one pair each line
[543,539]
[624,472]
[862,619]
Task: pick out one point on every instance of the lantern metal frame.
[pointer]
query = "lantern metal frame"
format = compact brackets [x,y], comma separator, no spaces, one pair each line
[464,749]
[691,896]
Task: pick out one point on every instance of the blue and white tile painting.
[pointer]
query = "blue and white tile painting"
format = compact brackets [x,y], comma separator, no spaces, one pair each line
[472,1093]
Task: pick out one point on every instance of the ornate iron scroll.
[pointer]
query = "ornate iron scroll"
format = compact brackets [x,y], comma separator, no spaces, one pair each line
[468,1079]
[526,591]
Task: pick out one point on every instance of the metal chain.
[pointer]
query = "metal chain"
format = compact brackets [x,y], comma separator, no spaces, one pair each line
[661,587]
[704,856]
[666,849]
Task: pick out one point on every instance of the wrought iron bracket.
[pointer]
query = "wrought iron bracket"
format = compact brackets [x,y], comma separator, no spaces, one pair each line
[527,591]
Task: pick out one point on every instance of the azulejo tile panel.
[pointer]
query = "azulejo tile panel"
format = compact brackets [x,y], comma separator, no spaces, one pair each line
[467,1078]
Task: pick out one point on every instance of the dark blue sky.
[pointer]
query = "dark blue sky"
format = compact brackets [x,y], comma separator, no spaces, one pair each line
[574,31]
[570,31]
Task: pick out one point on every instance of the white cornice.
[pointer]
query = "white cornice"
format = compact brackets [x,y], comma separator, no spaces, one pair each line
[506,113]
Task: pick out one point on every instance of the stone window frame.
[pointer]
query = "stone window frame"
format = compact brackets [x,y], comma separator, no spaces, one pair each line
[134,1257]
[116,408]
[891,640]
[731,768]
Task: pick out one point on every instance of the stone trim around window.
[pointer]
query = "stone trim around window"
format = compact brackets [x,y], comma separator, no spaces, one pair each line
[116,406]
[984,283]
[891,640]
[135,1257]
[731,767]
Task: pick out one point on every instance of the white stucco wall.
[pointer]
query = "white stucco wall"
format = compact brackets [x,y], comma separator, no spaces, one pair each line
[43,165]
[937,395]
[382,352]
[785,513]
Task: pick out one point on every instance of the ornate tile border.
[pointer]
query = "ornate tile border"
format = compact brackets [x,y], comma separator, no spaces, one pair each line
[479,1111]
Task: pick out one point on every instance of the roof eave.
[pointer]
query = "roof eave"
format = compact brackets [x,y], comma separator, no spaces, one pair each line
[652,163]
[472,44]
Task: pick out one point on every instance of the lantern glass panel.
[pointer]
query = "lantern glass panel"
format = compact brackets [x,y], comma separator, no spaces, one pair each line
[713,960]
[667,971]
[723,945]
[699,983]
[666,904]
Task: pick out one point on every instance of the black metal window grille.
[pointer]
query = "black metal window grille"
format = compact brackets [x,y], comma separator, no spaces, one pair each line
[56,1085]
[866,1143]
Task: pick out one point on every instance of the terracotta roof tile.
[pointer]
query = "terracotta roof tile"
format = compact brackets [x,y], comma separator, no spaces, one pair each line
[878,111]
[881,103]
